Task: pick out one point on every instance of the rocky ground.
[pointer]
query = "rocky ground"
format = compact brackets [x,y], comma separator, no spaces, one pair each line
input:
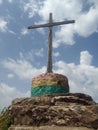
[73,110]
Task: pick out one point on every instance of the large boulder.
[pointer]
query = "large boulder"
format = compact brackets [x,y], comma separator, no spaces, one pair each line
[74,110]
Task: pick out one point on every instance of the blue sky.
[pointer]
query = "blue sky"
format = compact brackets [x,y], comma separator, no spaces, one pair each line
[23,52]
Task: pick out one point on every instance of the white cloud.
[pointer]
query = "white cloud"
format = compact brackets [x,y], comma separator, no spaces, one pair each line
[65,35]
[12,32]
[29,56]
[83,77]
[32,54]
[60,9]
[85,58]
[3,25]
[8,93]
[56,54]
[85,14]
[39,52]
[22,68]
[24,31]
[1,1]
[87,23]
[40,30]
[10,75]
[10,1]
[31,7]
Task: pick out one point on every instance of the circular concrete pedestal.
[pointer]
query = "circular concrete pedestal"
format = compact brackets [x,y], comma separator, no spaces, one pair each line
[48,84]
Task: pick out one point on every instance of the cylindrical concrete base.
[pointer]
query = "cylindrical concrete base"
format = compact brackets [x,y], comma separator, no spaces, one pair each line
[49,84]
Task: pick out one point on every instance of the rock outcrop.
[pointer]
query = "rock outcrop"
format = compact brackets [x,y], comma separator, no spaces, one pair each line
[74,110]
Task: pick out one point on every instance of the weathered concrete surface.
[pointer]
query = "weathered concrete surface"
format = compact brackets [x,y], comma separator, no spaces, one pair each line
[74,110]
[49,128]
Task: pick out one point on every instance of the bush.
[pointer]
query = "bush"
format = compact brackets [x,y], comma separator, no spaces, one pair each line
[5,119]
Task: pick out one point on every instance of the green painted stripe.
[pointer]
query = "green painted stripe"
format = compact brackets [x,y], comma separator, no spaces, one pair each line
[48,90]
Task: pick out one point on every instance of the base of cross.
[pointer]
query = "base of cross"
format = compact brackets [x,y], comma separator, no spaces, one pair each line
[48,84]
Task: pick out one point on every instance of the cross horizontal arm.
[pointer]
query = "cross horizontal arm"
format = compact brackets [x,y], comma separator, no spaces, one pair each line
[51,24]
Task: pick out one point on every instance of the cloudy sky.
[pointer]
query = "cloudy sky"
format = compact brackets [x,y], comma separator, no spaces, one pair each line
[23,52]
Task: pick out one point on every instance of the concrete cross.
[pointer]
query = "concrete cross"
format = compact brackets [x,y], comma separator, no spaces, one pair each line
[50,25]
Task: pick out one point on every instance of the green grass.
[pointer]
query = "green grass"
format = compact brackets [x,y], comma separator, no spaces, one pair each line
[5,119]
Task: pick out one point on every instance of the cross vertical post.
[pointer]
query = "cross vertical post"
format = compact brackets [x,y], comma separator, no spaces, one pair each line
[49,66]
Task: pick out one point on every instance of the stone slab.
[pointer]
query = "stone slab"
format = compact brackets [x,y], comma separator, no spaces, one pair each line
[48,128]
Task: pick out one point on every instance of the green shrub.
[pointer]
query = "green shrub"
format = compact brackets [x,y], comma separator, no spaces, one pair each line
[5,119]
